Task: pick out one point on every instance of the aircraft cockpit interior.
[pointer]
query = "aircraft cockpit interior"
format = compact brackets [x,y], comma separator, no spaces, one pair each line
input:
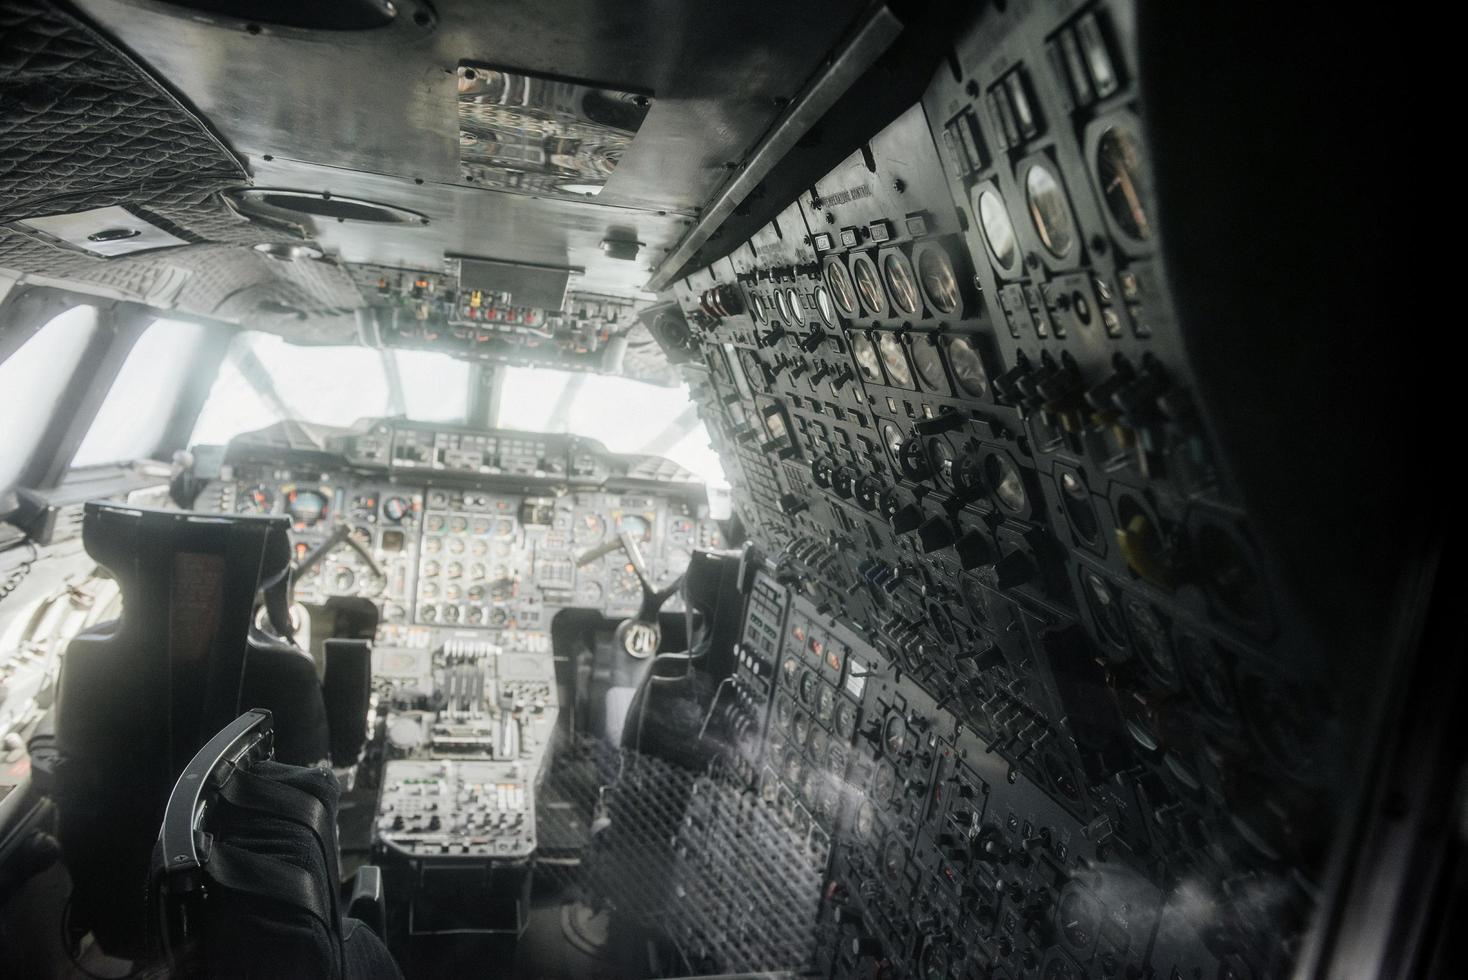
[594,489]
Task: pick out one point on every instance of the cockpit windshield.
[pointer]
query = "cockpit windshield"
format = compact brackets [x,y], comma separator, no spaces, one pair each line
[264,380]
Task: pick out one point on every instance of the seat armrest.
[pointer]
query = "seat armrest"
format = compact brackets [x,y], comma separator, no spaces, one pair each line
[367,902]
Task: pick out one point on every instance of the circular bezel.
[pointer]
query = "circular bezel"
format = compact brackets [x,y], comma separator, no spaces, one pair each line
[783,305]
[990,208]
[1096,132]
[861,345]
[939,303]
[894,264]
[998,468]
[824,306]
[838,278]
[1058,232]
[935,379]
[797,307]
[890,347]
[968,344]
[863,269]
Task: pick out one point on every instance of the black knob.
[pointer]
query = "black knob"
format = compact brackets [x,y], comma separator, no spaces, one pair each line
[907,519]
[975,550]
[934,533]
[1013,569]
[943,422]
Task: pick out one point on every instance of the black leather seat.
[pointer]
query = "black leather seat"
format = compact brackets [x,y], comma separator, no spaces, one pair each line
[244,880]
[140,695]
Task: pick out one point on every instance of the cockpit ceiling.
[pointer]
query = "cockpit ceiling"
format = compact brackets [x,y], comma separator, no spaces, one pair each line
[372,114]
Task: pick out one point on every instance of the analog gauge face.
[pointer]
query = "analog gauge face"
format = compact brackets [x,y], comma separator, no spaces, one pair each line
[481,526]
[800,728]
[590,593]
[894,859]
[940,281]
[797,306]
[627,588]
[866,357]
[808,685]
[504,527]
[307,508]
[942,455]
[458,525]
[757,307]
[753,369]
[789,670]
[435,523]
[842,290]
[1079,918]
[432,545]
[836,760]
[901,282]
[1151,639]
[968,367]
[635,524]
[588,529]
[1004,480]
[998,230]
[256,500]
[396,509]
[783,303]
[866,819]
[784,711]
[867,286]
[1078,506]
[933,964]
[456,546]
[818,743]
[1049,211]
[884,782]
[895,359]
[824,306]
[894,735]
[846,720]
[475,593]
[1119,165]
[825,704]
[893,437]
[474,616]
[929,364]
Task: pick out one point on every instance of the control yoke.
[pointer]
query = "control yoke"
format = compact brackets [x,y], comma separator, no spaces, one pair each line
[641,634]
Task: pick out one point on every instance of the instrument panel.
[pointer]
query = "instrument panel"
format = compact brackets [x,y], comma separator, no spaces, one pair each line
[464,558]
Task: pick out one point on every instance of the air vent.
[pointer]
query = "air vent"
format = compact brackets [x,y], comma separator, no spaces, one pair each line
[280,204]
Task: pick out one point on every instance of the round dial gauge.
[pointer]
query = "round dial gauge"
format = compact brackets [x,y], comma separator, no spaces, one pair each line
[867,359]
[757,307]
[929,364]
[866,819]
[784,710]
[940,281]
[1005,482]
[893,437]
[789,670]
[808,684]
[825,307]
[941,453]
[867,286]
[1049,211]
[894,859]
[635,524]
[968,367]
[933,964]
[825,703]
[1119,165]
[998,229]
[396,509]
[894,735]
[627,589]
[797,306]
[800,728]
[901,282]
[307,508]
[843,293]
[895,359]
[754,370]
[256,500]
[884,782]
[846,720]
[783,302]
